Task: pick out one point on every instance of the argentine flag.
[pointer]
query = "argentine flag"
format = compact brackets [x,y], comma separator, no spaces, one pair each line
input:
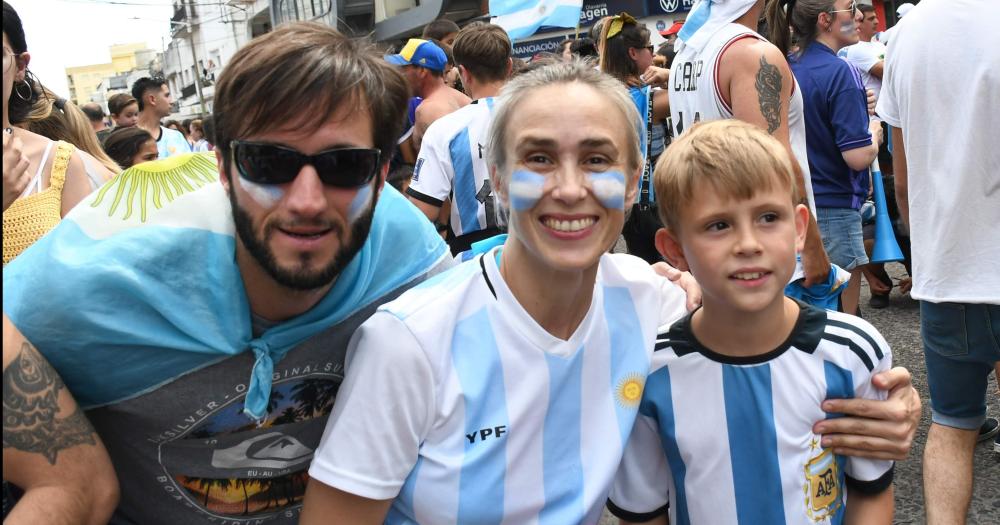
[522,18]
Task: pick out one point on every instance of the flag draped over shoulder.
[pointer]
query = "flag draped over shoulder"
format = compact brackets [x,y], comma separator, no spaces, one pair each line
[522,18]
[138,285]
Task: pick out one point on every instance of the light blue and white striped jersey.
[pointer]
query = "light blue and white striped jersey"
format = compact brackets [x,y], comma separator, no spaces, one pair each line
[452,161]
[461,407]
[729,440]
[170,143]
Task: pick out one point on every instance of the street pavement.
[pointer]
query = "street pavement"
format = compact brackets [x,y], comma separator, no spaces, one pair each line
[900,325]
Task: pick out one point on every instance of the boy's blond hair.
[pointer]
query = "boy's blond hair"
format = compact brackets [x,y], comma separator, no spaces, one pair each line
[731,157]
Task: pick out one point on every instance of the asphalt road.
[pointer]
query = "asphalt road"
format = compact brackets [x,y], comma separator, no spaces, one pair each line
[900,325]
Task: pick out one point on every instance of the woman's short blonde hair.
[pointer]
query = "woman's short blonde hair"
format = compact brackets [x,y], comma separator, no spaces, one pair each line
[729,157]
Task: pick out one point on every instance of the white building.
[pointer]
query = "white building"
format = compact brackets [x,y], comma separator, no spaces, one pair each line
[216,31]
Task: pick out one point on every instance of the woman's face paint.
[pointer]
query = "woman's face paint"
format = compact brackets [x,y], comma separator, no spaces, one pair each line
[848,28]
[609,188]
[267,195]
[525,189]
[360,203]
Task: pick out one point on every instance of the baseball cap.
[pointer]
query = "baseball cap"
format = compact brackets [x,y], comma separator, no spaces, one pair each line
[420,53]
[672,29]
[903,9]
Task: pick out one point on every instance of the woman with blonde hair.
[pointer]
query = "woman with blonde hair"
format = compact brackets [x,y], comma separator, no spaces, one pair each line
[55,170]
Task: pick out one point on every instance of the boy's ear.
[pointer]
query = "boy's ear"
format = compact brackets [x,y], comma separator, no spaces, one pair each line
[801,226]
[670,248]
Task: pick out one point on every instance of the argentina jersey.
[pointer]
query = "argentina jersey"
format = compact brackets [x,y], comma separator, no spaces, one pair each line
[722,439]
[642,98]
[452,163]
[462,409]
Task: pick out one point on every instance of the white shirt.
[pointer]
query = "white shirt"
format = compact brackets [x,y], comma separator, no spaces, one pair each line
[864,56]
[452,161]
[461,407]
[944,92]
[695,94]
[729,440]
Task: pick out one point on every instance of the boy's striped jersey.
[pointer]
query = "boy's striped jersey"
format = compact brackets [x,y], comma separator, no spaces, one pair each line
[723,439]
[452,163]
[464,410]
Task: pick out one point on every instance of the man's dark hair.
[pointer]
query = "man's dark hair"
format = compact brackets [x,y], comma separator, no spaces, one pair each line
[145,85]
[118,102]
[123,144]
[298,76]
[865,8]
[208,129]
[583,48]
[93,111]
[484,51]
[439,29]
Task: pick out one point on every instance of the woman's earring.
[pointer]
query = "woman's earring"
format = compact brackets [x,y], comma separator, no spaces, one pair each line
[17,91]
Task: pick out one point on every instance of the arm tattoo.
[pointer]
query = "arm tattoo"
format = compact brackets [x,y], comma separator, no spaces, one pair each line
[769,94]
[30,403]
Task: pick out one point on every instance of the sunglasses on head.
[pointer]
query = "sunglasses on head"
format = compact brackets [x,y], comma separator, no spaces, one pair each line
[853,8]
[264,163]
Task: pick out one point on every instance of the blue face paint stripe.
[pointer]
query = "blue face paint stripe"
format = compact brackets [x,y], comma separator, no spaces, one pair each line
[658,403]
[525,189]
[609,188]
[460,150]
[628,352]
[562,464]
[476,361]
[839,385]
[753,444]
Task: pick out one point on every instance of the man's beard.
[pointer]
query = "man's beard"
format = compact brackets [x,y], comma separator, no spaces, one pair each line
[300,279]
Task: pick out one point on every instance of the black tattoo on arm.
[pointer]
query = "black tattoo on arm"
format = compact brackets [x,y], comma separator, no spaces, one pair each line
[769,94]
[30,404]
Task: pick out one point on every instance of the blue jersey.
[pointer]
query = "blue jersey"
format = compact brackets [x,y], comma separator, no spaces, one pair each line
[724,439]
[836,117]
[463,409]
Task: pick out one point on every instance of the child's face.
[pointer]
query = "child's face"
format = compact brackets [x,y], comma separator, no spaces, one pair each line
[128,117]
[742,252]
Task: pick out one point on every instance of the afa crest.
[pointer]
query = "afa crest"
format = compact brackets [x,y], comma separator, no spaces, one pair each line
[822,486]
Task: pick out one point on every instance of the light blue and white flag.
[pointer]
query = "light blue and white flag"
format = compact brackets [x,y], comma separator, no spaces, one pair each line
[139,285]
[522,18]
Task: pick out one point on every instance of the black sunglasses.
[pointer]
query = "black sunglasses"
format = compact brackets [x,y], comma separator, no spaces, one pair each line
[264,163]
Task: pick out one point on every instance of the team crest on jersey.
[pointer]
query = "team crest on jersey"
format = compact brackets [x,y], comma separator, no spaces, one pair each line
[628,392]
[822,486]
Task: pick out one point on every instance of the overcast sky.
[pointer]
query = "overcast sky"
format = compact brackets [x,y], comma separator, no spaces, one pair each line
[66,33]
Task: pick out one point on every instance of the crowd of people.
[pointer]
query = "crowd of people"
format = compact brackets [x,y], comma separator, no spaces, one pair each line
[233,319]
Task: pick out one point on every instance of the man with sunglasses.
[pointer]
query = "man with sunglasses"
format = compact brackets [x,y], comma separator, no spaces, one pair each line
[212,341]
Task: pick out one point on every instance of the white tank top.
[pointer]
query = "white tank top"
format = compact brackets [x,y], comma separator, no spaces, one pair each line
[695,96]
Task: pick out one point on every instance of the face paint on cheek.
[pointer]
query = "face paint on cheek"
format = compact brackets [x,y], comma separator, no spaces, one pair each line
[609,188]
[525,189]
[360,203]
[267,195]
[848,28]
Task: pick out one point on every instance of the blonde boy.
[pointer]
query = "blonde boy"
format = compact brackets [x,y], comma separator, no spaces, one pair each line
[725,426]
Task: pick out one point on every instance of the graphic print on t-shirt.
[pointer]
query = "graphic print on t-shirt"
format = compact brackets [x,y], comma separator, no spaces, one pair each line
[228,466]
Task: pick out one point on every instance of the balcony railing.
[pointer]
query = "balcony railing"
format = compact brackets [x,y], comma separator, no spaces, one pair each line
[188,91]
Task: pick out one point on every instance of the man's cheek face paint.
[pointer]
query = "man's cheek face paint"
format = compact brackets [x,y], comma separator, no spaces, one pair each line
[609,188]
[267,195]
[360,203]
[526,188]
